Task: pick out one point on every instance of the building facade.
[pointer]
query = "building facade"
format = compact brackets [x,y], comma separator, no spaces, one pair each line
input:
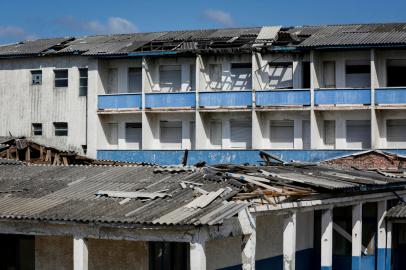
[304,93]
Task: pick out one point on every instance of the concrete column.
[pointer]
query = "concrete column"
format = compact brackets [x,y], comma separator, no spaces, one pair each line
[388,245]
[248,227]
[80,254]
[201,135]
[382,207]
[197,77]
[257,135]
[327,239]
[198,254]
[315,133]
[226,139]
[375,134]
[289,242]
[94,126]
[356,236]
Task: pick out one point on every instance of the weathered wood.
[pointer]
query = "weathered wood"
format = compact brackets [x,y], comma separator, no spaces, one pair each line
[28,154]
[65,160]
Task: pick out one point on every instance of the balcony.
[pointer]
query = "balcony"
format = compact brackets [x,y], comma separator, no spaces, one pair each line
[225,99]
[390,96]
[342,97]
[176,100]
[289,97]
[127,101]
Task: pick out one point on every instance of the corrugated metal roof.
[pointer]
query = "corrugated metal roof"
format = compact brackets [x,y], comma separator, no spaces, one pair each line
[69,193]
[31,47]
[397,212]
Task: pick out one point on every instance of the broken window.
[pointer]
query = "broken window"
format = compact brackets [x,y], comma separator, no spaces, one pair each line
[358,74]
[112,84]
[306,134]
[168,256]
[170,77]
[281,75]
[171,134]
[282,134]
[215,76]
[358,133]
[83,80]
[61,77]
[134,80]
[133,134]
[241,76]
[61,128]
[329,138]
[37,129]
[216,134]
[329,74]
[112,133]
[395,131]
[36,77]
[240,134]
[396,70]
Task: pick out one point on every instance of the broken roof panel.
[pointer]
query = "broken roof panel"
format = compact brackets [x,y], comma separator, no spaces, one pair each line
[34,47]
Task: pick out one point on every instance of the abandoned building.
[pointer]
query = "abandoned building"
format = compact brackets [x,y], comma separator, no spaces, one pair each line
[304,93]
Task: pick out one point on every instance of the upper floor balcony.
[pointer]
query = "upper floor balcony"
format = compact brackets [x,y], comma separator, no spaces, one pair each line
[346,96]
[173,100]
[124,101]
[390,96]
[285,97]
[215,99]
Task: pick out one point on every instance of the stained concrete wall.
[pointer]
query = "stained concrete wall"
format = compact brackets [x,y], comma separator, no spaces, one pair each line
[53,252]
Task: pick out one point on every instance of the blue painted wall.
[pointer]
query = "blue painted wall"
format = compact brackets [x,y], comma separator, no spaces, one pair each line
[176,99]
[390,96]
[342,96]
[282,97]
[304,261]
[174,157]
[119,101]
[225,98]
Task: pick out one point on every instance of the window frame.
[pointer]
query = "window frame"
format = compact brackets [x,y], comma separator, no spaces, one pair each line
[61,131]
[33,73]
[61,79]
[34,130]
[83,89]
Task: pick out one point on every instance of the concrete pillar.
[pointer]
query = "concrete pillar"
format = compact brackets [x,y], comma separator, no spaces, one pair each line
[315,133]
[327,239]
[80,254]
[388,263]
[198,254]
[289,241]
[356,236]
[94,126]
[381,243]
[375,134]
[257,135]
[144,80]
[201,134]
[248,228]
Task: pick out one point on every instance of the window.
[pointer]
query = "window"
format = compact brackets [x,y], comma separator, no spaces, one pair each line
[168,256]
[358,133]
[396,70]
[282,134]
[112,133]
[395,131]
[83,82]
[329,74]
[36,77]
[133,134]
[37,129]
[192,76]
[281,75]
[215,74]
[241,76]
[61,78]
[112,84]
[305,74]
[134,80]
[170,78]
[358,74]
[329,138]
[216,134]
[61,128]
[306,134]
[171,134]
[240,134]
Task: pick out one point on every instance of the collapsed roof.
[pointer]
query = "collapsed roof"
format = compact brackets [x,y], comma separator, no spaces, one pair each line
[234,40]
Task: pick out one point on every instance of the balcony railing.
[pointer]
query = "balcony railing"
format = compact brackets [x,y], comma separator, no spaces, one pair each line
[170,100]
[342,97]
[125,101]
[390,96]
[289,97]
[225,99]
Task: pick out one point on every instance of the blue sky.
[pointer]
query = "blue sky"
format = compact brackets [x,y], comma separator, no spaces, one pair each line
[28,19]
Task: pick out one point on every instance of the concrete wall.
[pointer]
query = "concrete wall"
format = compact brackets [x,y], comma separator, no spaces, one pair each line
[23,103]
[53,252]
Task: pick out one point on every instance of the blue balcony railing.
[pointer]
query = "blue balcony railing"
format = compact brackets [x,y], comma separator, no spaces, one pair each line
[170,100]
[119,101]
[390,96]
[342,96]
[225,99]
[289,97]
